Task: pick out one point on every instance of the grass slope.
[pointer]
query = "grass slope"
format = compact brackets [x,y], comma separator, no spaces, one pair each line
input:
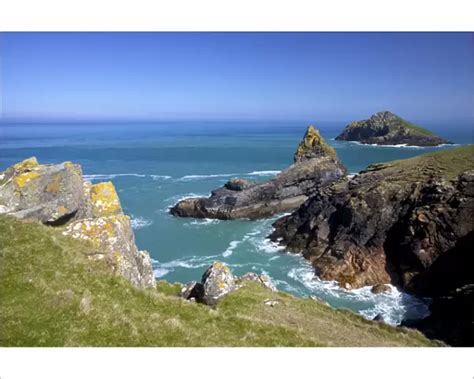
[444,163]
[52,295]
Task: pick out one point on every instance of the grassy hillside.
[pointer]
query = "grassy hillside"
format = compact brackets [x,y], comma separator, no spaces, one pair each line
[52,295]
[445,163]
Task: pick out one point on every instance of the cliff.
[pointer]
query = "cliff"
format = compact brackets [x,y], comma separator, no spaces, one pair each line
[386,128]
[54,295]
[57,196]
[402,222]
[315,166]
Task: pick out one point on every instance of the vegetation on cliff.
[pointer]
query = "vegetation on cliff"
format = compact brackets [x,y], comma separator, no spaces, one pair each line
[53,295]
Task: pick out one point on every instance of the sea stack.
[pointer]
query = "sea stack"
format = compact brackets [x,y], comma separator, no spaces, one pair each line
[386,128]
[315,166]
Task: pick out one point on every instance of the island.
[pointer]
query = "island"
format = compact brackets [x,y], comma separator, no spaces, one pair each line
[386,128]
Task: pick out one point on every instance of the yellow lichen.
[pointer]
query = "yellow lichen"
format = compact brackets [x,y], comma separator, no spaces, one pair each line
[26,164]
[104,199]
[21,179]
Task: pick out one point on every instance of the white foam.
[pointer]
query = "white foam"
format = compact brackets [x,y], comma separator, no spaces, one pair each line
[158,177]
[404,145]
[230,249]
[110,176]
[140,222]
[206,176]
[202,222]
[160,272]
[264,173]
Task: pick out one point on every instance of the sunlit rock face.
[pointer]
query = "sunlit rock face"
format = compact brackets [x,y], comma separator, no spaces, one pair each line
[315,165]
[57,195]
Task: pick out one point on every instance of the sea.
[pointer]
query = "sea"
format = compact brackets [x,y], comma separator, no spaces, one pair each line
[155,164]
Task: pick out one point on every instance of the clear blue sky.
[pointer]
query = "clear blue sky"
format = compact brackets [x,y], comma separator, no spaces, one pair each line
[317,76]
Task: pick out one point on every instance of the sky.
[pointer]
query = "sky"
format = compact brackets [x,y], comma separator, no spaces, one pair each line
[280,76]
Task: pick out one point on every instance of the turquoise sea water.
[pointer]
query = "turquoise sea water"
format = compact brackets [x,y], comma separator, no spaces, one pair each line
[153,165]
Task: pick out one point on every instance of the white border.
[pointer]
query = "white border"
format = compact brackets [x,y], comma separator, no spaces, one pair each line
[236,15]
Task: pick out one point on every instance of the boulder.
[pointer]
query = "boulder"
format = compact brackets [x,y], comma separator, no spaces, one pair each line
[51,194]
[315,166]
[217,281]
[57,195]
[257,278]
[237,184]
[380,288]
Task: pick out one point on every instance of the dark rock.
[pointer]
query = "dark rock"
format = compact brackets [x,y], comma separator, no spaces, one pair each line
[386,128]
[316,165]
[193,290]
[380,288]
[237,184]
[379,318]
[368,231]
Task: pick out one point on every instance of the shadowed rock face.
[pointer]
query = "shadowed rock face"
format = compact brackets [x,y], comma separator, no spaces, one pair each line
[316,165]
[388,224]
[56,195]
[386,128]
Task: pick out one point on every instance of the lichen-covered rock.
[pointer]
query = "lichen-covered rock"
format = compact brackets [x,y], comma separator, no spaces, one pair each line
[217,281]
[257,278]
[52,194]
[113,239]
[316,165]
[57,195]
[313,146]
[386,128]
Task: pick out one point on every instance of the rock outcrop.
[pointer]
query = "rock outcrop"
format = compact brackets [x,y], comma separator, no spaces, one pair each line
[57,195]
[386,128]
[388,224]
[408,223]
[218,281]
[315,165]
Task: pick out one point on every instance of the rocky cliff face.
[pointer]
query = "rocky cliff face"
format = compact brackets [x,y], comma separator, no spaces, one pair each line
[406,222]
[57,195]
[390,223]
[386,128]
[315,166]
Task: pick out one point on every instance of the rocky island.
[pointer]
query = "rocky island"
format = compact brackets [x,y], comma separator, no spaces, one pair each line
[407,222]
[315,166]
[386,128]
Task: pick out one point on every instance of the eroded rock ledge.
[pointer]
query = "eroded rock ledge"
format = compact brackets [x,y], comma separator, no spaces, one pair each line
[57,195]
[315,165]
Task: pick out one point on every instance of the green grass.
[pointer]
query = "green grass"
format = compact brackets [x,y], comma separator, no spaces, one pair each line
[448,164]
[52,295]
[416,128]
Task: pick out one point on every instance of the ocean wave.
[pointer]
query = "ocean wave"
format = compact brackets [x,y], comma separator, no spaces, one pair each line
[263,173]
[160,272]
[230,249]
[110,176]
[139,222]
[394,306]
[204,176]
[202,222]
[113,176]
[405,146]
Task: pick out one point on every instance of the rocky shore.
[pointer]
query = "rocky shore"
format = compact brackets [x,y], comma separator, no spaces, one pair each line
[386,128]
[315,166]
[404,222]
[57,196]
